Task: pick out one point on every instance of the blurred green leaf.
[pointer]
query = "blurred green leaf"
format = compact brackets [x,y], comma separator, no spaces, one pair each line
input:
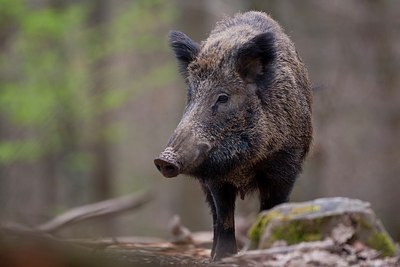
[46,75]
[26,150]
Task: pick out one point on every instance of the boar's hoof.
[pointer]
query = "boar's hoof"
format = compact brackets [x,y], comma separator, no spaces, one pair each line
[168,169]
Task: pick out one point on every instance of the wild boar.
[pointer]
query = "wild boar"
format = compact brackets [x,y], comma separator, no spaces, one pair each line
[247,122]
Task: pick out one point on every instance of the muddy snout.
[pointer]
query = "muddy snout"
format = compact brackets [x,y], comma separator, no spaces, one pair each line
[167,163]
[170,163]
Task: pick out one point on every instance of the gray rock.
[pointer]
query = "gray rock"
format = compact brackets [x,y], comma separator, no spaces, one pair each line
[342,220]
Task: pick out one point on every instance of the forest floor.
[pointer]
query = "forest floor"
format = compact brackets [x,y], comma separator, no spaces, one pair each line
[330,232]
[318,253]
[35,251]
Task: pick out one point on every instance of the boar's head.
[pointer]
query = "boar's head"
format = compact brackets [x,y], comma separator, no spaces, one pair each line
[223,121]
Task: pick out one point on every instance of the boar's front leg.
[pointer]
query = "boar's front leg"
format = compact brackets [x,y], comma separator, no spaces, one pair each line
[223,197]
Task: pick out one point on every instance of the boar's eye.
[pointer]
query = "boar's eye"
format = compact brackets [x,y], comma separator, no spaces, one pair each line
[223,98]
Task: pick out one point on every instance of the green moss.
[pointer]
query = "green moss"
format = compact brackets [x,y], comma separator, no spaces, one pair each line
[297,231]
[256,231]
[382,242]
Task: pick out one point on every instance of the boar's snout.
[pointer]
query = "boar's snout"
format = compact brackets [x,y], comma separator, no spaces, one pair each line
[171,163]
[168,169]
[167,163]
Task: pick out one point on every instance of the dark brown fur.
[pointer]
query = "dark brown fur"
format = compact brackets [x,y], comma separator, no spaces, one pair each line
[247,124]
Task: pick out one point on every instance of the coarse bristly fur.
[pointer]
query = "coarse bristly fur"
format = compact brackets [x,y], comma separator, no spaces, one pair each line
[247,122]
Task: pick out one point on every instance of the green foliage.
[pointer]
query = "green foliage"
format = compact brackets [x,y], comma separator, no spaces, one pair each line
[47,70]
[27,150]
[10,11]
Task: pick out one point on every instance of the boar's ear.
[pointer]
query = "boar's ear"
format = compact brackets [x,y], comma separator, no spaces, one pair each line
[185,49]
[255,56]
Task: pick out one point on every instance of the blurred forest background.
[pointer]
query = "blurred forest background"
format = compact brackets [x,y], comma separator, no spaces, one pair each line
[90,93]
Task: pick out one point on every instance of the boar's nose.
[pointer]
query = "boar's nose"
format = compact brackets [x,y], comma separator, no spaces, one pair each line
[167,168]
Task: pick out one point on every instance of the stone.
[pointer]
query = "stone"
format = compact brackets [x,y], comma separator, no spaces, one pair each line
[342,220]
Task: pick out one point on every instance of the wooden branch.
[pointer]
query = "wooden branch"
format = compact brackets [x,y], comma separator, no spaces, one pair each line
[96,210]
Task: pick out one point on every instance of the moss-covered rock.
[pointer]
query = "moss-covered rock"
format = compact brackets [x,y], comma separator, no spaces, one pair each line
[383,243]
[341,219]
